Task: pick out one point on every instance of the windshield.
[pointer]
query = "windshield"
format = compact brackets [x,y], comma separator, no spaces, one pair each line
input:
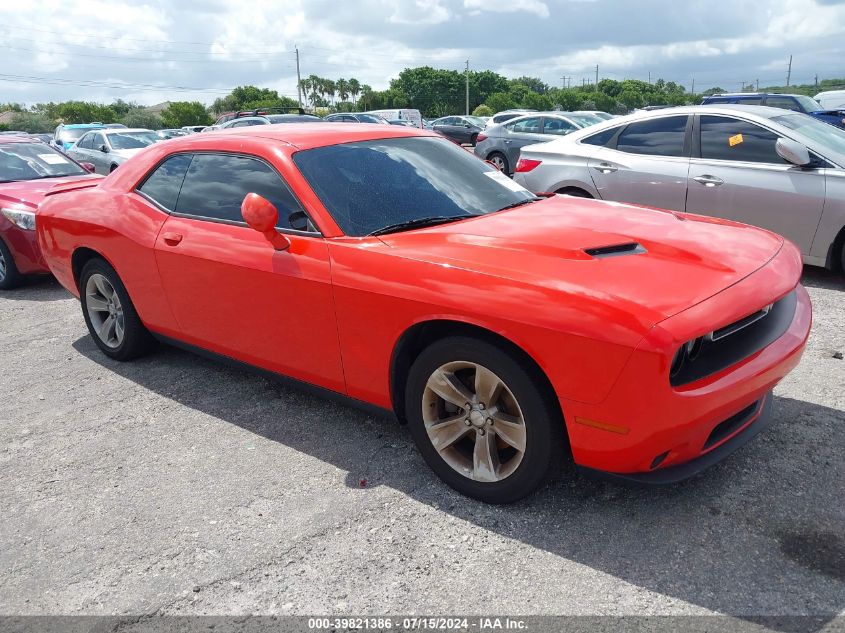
[583,119]
[292,118]
[70,135]
[29,161]
[808,103]
[132,140]
[369,118]
[822,133]
[369,185]
[476,120]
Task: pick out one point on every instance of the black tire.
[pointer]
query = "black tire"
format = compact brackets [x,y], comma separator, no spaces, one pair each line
[473,140]
[11,278]
[137,340]
[544,430]
[506,167]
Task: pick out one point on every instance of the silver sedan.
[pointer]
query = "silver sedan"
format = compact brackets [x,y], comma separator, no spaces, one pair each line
[779,170]
[500,144]
[107,149]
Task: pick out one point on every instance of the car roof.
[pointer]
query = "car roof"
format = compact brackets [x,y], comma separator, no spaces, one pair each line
[124,130]
[18,138]
[754,94]
[304,135]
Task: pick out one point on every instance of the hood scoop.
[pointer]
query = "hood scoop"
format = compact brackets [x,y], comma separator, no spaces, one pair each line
[615,250]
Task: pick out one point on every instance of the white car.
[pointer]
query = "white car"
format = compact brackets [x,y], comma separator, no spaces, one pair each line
[108,148]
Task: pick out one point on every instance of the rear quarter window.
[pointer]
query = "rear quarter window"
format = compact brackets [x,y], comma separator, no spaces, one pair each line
[163,184]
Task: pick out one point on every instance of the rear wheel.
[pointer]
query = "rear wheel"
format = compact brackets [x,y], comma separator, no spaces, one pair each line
[9,275]
[481,421]
[110,314]
[574,192]
[500,162]
[473,140]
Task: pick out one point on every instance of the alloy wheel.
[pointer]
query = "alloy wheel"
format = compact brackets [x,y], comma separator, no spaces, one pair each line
[474,421]
[498,162]
[105,310]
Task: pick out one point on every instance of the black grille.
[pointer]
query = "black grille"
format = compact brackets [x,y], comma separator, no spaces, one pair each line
[737,341]
[726,428]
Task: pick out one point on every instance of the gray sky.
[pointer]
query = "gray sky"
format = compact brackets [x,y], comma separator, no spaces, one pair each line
[199,49]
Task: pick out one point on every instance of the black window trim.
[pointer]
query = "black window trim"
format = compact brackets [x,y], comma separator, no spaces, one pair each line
[685,153]
[190,216]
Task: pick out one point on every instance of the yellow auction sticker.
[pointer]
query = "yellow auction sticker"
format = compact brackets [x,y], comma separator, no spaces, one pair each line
[736,139]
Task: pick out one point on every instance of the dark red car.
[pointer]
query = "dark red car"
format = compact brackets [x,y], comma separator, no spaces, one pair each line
[29,169]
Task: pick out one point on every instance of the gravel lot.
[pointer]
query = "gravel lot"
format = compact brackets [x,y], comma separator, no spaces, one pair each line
[175,485]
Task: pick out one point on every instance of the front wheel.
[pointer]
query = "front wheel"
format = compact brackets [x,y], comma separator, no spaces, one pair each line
[9,275]
[110,314]
[500,162]
[481,421]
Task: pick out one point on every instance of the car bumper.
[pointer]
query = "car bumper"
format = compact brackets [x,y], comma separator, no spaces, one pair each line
[645,426]
[24,248]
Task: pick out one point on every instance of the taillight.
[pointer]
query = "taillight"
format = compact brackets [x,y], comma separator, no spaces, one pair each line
[526,164]
[480,137]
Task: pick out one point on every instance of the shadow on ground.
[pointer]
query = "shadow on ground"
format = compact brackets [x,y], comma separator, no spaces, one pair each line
[761,533]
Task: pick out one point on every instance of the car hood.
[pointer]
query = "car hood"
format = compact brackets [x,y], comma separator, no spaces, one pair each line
[32,192]
[682,260]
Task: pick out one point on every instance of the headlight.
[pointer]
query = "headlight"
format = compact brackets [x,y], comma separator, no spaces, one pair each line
[20,218]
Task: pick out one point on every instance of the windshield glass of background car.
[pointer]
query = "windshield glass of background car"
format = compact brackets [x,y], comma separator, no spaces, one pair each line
[28,161]
[68,136]
[726,138]
[369,118]
[369,185]
[132,140]
[654,137]
[475,120]
[822,133]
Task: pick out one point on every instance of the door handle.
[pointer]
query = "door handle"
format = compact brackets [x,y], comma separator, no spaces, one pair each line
[605,168]
[172,239]
[709,181]
[507,142]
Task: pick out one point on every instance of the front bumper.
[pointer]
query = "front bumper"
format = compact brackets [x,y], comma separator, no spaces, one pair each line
[24,248]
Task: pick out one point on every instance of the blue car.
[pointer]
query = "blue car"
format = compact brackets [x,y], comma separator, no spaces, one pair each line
[797,103]
[67,135]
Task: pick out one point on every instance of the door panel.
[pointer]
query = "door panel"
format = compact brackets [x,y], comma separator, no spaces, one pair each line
[233,294]
[655,181]
[525,131]
[780,198]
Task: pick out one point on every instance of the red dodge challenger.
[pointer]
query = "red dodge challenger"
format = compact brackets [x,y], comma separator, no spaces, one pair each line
[387,265]
[28,170]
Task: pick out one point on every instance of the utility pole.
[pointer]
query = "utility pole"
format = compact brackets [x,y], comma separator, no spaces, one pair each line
[817,81]
[692,90]
[649,76]
[467,78]
[597,76]
[298,78]
[563,79]
[789,72]
[757,81]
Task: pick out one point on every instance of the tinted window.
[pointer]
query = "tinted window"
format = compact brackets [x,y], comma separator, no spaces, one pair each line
[787,103]
[86,142]
[558,126]
[725,138]
[132,140]
[531,125]
[216,184]
[164,183]
[602,138]
[370,185]
[756,100]
[99,141]
[655,137]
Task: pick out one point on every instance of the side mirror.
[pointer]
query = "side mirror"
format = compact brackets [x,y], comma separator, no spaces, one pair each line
[104,149]
[793,151]
[89,167]
[262,216]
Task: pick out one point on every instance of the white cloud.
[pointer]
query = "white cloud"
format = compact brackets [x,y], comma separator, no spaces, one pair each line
[420,12]
[509,6]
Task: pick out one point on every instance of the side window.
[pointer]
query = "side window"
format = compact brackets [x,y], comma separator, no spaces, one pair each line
[558,127]
[725,138]
[163,184]
[216,184]
[654,137]
[99,141]
[86,142]
[749,100]
[602,138]
[531,125]
[787,103]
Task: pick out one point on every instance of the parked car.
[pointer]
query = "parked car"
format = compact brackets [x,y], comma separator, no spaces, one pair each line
[107,149]
[29,169]
[293,118]
[779,170]
[242,122]
[507,330]
[400,114]
[66,135]
[355,117]
[402,122]
[590,118]
[267,120]
[797,103]
[170,133]
[507,115]
[114,126]
[604,116]
[501,144]
[831,99]
[228,116]
[44,138]
[460,129]
[193,129]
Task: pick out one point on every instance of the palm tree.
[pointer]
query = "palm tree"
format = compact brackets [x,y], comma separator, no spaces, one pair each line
[354,89]
[305,87]
[342,89]
[314,86]
[329,87]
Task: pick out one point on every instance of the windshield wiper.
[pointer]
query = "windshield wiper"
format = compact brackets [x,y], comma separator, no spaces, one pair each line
[520,203]
[421,222]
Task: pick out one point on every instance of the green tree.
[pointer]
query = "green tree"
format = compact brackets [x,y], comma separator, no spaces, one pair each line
[631,99]
[532,83]
[139,117]
[182,113]
[342,87]
[31,122]
[354,89]
[85,112]
[483,110]
[499,101]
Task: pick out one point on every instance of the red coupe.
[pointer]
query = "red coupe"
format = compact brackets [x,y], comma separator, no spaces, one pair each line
[28,170]
[387,265]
